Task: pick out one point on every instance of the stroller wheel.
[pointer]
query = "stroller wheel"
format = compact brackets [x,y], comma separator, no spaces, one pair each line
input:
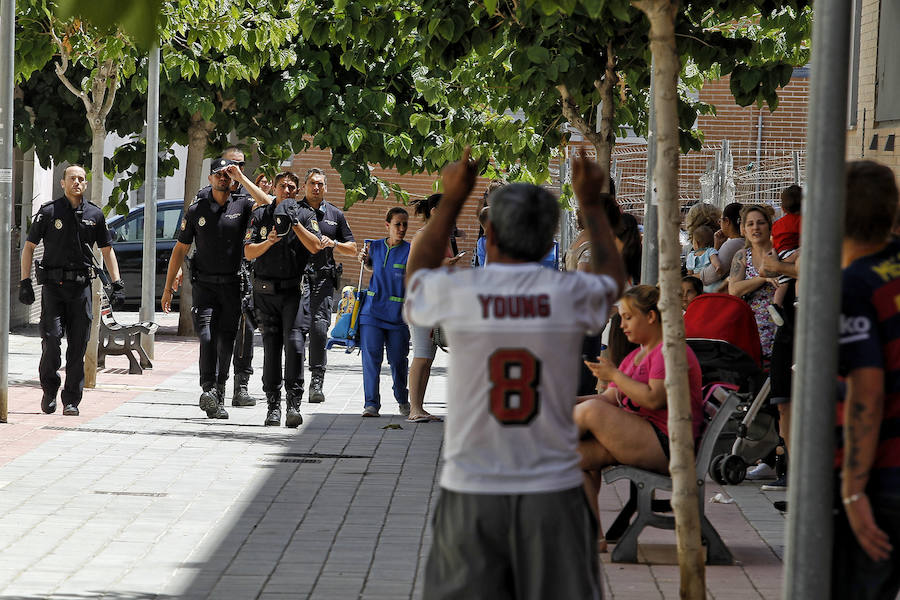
[733,469]
[715,468]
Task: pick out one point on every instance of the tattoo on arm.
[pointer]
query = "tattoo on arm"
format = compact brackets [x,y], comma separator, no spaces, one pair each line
[738,266]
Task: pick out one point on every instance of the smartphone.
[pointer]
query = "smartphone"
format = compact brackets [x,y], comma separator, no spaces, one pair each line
[463,253]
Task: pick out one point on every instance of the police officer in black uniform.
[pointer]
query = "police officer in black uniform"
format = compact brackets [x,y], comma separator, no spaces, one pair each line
[69,227]
[243,341]
[280,240]
[323,274]
[216,223]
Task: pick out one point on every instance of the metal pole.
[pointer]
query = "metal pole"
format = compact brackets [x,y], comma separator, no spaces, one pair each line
[650,251]
[148,268]
[7,25]
[809,524]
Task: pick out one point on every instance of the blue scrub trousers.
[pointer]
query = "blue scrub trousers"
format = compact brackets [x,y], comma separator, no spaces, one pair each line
[373,340]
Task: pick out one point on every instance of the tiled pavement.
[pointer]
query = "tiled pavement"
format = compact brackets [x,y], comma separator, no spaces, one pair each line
[142,497]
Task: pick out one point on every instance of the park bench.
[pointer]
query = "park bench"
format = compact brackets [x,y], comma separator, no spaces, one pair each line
[117,339]
[624,532]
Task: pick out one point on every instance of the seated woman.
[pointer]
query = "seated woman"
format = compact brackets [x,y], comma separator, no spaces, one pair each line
[628,423]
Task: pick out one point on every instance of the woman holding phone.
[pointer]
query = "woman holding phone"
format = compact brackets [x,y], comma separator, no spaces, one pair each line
[381,320]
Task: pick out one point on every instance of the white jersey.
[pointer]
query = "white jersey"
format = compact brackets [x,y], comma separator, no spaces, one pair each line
[515,333]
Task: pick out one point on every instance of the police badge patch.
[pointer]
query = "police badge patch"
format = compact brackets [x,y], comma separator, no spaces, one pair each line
[57,223]
[248,235]
[314,225]
[183,223]
[263,232]
[202,221]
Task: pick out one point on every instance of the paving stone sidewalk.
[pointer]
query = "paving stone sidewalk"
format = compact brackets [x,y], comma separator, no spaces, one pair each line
[143,497]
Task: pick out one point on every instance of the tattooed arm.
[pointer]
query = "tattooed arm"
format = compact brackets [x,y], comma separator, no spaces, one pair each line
[862,422]
[738,284]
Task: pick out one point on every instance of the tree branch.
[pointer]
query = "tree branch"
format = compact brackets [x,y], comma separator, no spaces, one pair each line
[62,66]
[573,115]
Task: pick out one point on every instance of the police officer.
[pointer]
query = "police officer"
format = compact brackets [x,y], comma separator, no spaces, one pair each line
[216,223]
[323,274]
[243,341]
[280,240]
[69,227]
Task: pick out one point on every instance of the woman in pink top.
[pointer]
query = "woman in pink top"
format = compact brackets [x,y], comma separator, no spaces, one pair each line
[628,423]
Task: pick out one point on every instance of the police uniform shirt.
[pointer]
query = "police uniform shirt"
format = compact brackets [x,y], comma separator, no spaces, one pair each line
[217,231]
[287,258]
[332,224]
[66,230]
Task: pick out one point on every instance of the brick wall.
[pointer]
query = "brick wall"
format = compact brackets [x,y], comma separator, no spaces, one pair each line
[860,137]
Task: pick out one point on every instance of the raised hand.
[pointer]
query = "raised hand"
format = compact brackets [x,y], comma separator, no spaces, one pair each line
[588,179]
[459,177]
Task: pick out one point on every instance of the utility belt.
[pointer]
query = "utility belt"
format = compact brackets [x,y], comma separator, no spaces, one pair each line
[275,286]
[214,279]
[326,273]
[60,274]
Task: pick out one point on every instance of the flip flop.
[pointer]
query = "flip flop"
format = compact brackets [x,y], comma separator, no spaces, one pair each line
[425,419]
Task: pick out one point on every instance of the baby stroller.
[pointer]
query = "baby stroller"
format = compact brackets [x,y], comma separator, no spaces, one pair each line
[722,332]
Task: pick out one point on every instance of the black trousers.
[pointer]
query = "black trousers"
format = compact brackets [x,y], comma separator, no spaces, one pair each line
[319,305]
[216,312]
[243,348]
[281,320]
[65,310]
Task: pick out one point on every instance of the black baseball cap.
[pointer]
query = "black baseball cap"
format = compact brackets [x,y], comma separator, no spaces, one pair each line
[219,164]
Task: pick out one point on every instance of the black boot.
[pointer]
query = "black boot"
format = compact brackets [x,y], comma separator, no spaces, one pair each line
[209,401]
[317,379]
[293,418]
[220,402]
[273,415]
[241,397]
[48,403]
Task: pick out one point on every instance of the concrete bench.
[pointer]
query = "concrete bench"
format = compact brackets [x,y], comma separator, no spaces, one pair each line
[117,339]
[624,532]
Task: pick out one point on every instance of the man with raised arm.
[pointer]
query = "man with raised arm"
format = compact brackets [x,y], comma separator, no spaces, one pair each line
[216,222]
[512,520]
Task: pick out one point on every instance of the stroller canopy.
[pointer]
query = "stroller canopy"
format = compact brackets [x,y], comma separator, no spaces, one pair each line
[724,317]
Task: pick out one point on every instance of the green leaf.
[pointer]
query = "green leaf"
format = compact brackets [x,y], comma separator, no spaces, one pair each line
[491,6]
[421,122]
[446,29]
[538,54]
[355,137]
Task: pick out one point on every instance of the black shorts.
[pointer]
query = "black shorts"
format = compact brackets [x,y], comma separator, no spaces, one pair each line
[663,440]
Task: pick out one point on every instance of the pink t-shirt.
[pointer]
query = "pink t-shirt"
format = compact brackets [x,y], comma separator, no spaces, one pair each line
[653,367]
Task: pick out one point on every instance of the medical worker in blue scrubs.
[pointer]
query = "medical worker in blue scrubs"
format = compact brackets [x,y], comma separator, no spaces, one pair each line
[381,320]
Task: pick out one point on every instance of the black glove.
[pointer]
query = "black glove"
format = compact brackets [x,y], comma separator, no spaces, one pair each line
[26,292]
[117,297]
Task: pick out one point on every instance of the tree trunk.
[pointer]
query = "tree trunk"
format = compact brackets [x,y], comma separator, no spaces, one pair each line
[198,136]
[691,559]
[606,87]
[98,140]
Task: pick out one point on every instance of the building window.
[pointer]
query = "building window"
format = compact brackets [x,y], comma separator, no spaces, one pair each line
[887,77]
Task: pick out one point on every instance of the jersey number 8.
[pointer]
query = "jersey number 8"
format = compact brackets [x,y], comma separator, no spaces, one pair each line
[515,374]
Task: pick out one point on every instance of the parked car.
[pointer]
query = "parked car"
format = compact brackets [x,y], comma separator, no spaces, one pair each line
[128,242]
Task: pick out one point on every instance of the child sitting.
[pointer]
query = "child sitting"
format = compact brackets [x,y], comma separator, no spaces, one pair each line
[703,254]
[691,287]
